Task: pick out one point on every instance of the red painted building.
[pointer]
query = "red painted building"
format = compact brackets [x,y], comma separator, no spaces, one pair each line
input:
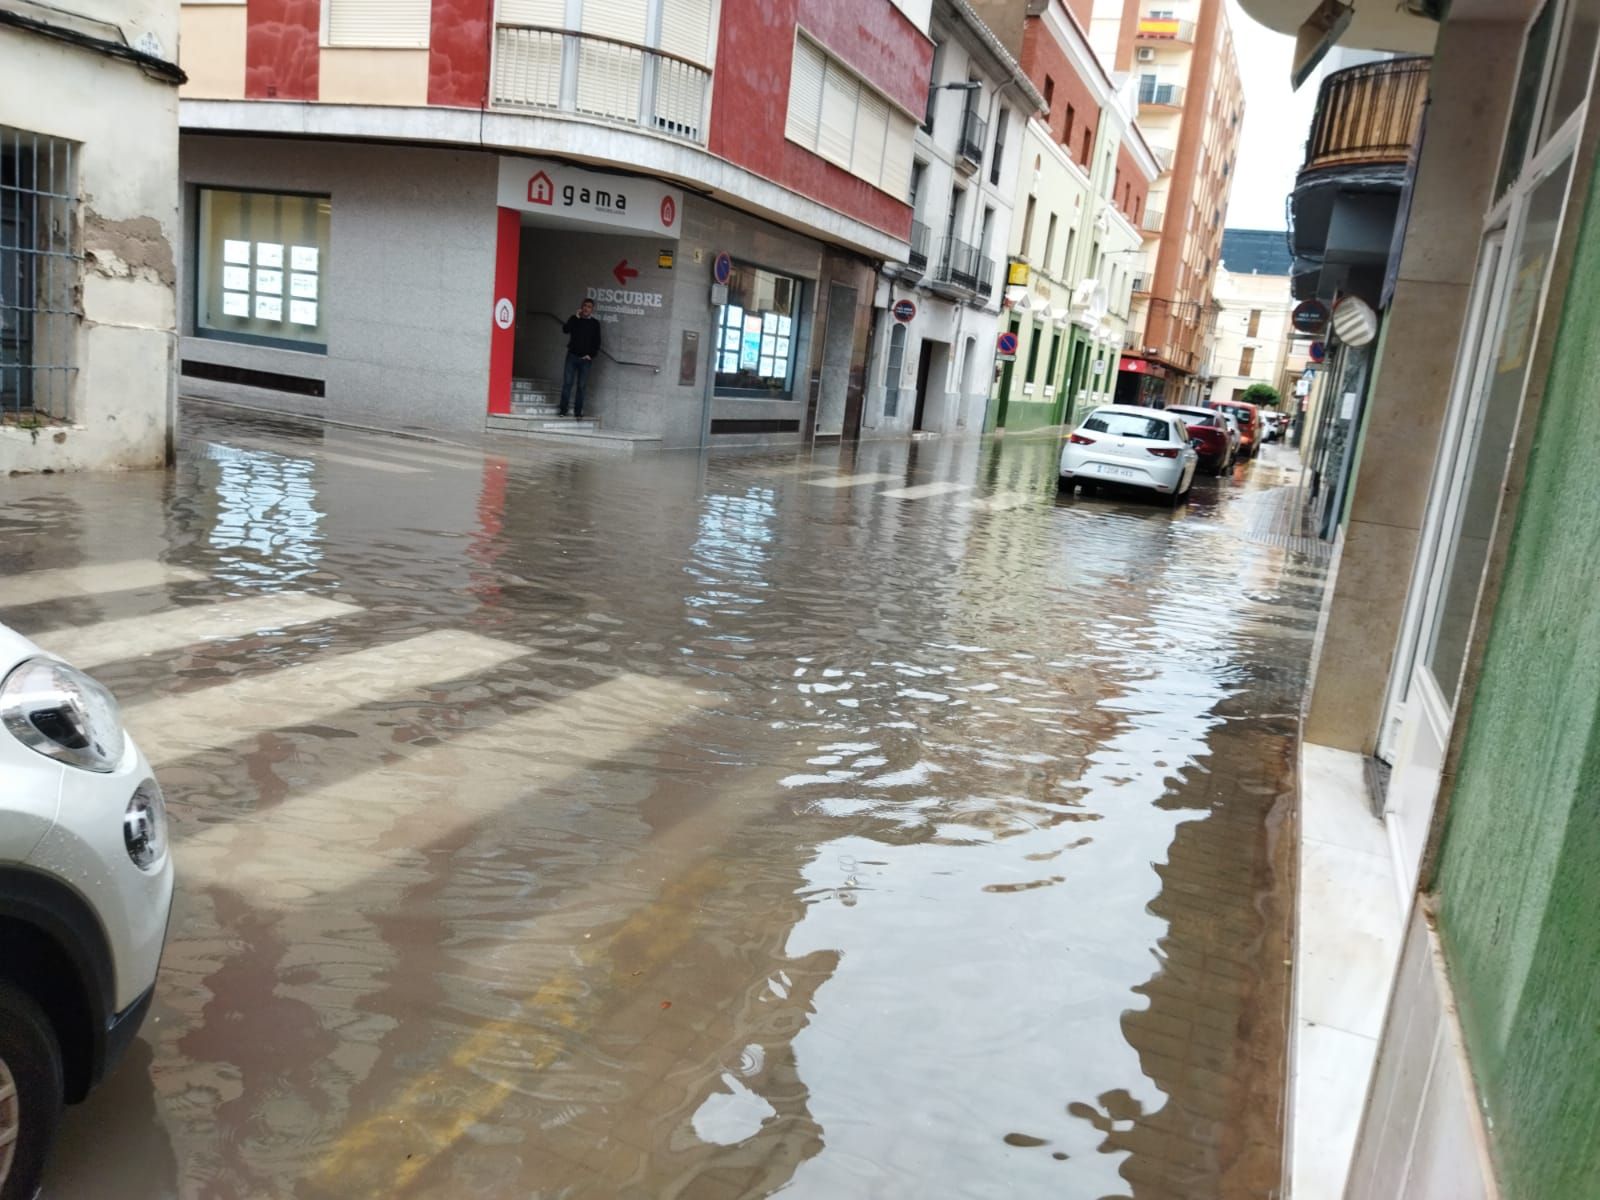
[343,126]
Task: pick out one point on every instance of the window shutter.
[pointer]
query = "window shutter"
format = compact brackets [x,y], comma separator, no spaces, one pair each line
[686,29]
[550,13]
[610,77]
[402,24]
[897,156]
[872,124]
[838,126]
[805,94]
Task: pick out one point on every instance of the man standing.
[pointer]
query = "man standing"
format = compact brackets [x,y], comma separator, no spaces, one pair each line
[583,343]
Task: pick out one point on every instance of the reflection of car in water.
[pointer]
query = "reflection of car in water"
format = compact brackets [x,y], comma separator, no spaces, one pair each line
[1215,442]
[85,889]
[1132,447]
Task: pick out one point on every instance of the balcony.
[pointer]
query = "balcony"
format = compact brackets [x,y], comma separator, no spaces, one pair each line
[986,270]
[918,258]
[1347,195]
[959,265]
[1151,223]
[605,79]
[1160,95]
[974,132]
[1164,29]
[1163,156]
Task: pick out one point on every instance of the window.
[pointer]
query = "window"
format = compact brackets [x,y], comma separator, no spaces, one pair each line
[263,257]
[1033,353]
[1247,360]
[894,370]
[1066,130]
[757,332]
[398,24]
[986,231]
[933,85]
[1049,242]
[1253,326]
[1049,90]
[999,145]
[1087,148]
[39,274]
[1055,355]
[918,171]
[834,114]
[1129,425]
[1027,227]
[1066,259]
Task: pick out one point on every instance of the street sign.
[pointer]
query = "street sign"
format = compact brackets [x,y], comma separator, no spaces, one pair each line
[722,268]
[1319,351]
[1310,316]
[1006,346]
[1017,274]
[904,310]
[1100,365]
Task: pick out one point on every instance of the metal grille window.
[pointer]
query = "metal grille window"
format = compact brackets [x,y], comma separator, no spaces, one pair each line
[39,273]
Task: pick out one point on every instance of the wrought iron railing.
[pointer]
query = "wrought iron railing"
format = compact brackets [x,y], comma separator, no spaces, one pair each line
[588,75]
[958,264]
[1368,114]
[40,277]
[974,129]
[986,270]
[918,258]
[1160,95]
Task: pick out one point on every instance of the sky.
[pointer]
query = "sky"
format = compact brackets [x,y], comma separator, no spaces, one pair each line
[1275,124]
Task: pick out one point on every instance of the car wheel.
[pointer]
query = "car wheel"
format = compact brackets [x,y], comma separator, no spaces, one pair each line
[30,1093]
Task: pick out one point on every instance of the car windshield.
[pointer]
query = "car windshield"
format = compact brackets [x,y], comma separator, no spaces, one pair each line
[1151,429]
[1197,416]
[1241,415]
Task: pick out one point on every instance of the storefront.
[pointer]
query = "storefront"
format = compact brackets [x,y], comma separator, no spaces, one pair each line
[1140,381]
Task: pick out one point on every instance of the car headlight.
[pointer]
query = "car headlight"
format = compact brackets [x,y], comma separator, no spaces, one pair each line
[63,714]
[144,825]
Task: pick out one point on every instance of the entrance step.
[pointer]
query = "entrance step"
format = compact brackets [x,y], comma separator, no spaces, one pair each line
[536,407]
[569,431]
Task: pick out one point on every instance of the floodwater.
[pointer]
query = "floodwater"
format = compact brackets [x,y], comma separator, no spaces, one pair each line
[870,822]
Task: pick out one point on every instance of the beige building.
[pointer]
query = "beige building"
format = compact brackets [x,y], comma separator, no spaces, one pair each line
[88,225]
[1253,340]
[1191,108]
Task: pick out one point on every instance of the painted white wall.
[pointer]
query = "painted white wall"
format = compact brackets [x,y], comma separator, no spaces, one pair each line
[1238,295]
[126,127]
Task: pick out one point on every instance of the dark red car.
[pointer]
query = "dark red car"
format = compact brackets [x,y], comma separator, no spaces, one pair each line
[1248,417]
[1208,429]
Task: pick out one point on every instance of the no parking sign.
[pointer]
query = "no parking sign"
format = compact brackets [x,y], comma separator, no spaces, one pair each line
[1006,346]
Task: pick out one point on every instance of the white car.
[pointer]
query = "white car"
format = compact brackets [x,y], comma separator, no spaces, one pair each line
[1135,447]
[85,892]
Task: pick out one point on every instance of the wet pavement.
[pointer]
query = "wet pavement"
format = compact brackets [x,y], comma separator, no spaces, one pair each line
[872,822]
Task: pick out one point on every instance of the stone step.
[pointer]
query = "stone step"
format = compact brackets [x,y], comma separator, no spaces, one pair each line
[548,386]
[534,408]
[570,432]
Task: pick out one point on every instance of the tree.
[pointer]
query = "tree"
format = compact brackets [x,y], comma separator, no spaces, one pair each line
[1261,393]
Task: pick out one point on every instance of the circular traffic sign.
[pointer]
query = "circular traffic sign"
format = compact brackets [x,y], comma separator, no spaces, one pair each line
[1310,316]
[722,269]
[1006,343]
[1319,351]
[904,310]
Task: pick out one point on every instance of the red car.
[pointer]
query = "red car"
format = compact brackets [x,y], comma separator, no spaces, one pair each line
[1248,417]
[1208,429]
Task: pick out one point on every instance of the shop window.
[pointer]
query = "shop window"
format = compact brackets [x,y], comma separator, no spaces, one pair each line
[757,334]
[262,263]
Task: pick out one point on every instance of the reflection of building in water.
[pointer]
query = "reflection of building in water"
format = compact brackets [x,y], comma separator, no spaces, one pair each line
[266,516]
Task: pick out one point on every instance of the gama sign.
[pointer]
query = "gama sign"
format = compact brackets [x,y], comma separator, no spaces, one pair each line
[554,194]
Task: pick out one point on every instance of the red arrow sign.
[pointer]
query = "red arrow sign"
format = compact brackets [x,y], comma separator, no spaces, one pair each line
[624,272]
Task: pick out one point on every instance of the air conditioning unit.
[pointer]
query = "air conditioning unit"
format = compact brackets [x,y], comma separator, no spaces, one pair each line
[1147,54]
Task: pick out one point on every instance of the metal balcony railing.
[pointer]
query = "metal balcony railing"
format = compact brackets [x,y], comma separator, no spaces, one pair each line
[918,258]
[959,264]
[974,129]
[986,270]
[1152,220]
[587,75]
[1160,95]
[1164,29]
[1368,114]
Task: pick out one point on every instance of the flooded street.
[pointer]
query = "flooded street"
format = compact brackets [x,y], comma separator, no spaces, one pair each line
[872,822]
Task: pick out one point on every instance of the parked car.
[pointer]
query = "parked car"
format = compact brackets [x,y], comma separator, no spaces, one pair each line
[1249,418]
[1135,447]
[1215,442]
[85,892]
[1272,426]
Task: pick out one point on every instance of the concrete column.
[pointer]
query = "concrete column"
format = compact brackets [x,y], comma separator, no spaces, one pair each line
[1470,90]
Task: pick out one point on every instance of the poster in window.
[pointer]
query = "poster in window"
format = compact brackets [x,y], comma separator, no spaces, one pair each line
[750,347]
[769,322]
[236,279]
[235,252]
[730,363]
[303,258]
[733,317]
[783,348]
[236,304]
[304,286]
[730,339]
[303,312]
[768,369]
[269,254]
[269,308]
[783,325]
[269,282]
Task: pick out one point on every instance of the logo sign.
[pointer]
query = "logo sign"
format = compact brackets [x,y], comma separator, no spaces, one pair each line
[1006,345]
[572,198]
[1355,322]
[504,313]
[904,310]
[664,260]
[1319,351]
[1017,274]
[1310,316]
[722,269]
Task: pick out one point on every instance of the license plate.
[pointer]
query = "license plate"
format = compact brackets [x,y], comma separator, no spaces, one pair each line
[1123,472]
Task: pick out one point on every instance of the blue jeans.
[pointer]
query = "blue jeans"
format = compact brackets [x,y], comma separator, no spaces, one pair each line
[575,373]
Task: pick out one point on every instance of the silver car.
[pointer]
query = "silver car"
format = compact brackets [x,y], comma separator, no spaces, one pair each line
[1135,447]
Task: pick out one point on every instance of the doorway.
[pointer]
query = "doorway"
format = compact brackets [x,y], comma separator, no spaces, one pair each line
[837,342]
[932,371]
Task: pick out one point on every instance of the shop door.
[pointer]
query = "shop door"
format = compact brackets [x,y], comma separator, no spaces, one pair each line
[1466,505]
[924,370]
[837,342]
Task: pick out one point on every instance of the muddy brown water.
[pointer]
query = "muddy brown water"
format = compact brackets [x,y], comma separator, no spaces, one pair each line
[681,828]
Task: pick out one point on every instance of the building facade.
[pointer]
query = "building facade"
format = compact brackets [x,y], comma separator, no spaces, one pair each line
[937,312]
[88,234]
[1455,1046]
[1254,342]
[1075,248]
[390,209]
[1190,108]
